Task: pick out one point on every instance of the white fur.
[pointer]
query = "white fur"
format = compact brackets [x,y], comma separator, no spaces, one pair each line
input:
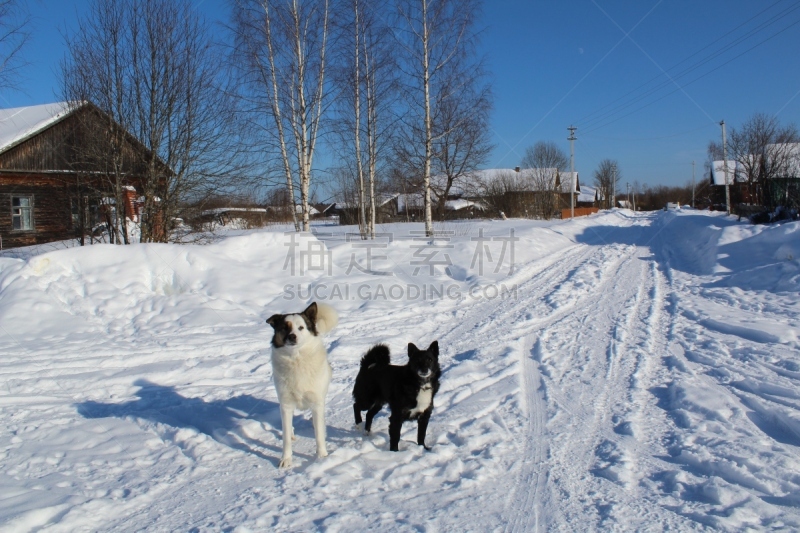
[301,373]
[424,397]
[327,318]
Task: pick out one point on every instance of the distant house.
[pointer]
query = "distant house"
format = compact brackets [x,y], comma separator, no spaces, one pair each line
[462,208]
[49,188]
[348,211]
[324,209]
[781,188]
[784,186]
[589,197]
[739,189]
[492,192]
[516,192]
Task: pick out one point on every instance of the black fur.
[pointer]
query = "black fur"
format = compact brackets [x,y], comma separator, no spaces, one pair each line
[283,331]
[379,383]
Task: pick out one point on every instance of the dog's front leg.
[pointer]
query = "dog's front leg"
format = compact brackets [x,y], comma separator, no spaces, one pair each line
[395,425]
[318,420]
[287,412]
[422,428]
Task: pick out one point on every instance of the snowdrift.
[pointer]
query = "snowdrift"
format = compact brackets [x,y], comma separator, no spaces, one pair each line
[630,372]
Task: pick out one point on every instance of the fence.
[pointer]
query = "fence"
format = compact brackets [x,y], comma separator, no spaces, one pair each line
[579,212]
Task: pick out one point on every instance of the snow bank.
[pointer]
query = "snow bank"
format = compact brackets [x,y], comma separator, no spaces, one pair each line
[157,287]
[638,373]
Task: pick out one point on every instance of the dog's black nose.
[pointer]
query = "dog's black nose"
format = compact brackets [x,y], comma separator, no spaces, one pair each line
[292,337]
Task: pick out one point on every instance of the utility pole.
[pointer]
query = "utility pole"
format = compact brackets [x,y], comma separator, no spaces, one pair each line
[692,184]
[725,163]
[628,194]
[571,140]
[614,185]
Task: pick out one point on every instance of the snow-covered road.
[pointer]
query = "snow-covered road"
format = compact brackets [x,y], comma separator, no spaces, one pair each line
[641,373]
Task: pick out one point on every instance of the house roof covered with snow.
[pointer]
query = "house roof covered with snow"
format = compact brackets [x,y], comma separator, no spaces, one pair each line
[380,201]
[589,194]
[565,182]
[477,182]
[409,201]
[457,205]
[735,172]
[20,123]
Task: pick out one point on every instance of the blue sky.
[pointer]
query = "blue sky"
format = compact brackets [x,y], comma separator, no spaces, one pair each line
[554,64]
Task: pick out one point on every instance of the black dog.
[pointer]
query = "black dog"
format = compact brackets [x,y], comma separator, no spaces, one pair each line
[408,389]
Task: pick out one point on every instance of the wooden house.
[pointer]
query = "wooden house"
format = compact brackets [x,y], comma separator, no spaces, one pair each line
[55,173]
[740,190]
[528,192]
[589,197]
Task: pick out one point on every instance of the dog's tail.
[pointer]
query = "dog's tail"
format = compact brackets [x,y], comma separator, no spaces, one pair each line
[327,318]
[377,355]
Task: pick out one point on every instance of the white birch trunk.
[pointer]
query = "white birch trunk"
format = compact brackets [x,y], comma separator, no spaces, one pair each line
[426,177]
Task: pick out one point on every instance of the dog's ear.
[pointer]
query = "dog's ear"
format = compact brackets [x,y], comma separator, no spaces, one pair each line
[274,320]
[412,349]
[434,349]
[311,312]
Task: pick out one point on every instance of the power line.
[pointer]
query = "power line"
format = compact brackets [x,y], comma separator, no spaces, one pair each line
[661,137]
[607,117]
[658,76]
[695,79]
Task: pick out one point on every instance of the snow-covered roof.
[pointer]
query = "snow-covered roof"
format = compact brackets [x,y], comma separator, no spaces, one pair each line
[380,201]
[789,155]
[525,179]
[785,155]
[457,205]
[20,123]
[311,209]
[735,172]
[565,182]
[220,210]
[589,194]
[409,201]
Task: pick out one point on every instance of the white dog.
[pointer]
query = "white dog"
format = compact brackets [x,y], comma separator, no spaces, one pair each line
[301,370]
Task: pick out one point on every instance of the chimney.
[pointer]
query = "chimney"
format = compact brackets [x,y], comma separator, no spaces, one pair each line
[516,169]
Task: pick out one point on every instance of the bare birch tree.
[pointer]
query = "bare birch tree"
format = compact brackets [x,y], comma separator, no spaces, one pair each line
[544,161]
[96,71]
[280,52]
[366,84]
[434,38]
[151,69]
[461,133]
[14,23]
[606,179]
[764,149]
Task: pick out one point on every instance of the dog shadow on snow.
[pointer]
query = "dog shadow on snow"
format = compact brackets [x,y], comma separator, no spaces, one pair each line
[222,420]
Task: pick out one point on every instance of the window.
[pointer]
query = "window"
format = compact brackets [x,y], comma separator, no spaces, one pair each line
[22,212]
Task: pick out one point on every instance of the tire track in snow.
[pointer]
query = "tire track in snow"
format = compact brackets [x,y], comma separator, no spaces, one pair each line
[532,494]
[623,441]
[531,482]
[489,320]
[592,378]
[588,374]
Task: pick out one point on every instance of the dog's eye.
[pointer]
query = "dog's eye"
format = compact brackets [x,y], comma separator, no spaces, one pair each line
[301,328]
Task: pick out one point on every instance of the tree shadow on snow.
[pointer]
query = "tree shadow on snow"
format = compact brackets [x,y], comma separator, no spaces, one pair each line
[221,420]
